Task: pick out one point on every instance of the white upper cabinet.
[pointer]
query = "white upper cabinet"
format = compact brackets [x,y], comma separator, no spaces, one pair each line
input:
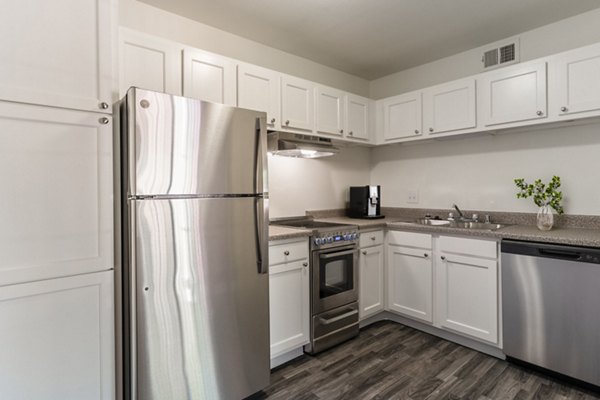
[450,107]
[357,110]
[259,89]
[57,215]
[209,77]
[149,63]
[297,104]
[578,81]
[57,53]
[58,338]
[402,116]
[329,111]
[513,94]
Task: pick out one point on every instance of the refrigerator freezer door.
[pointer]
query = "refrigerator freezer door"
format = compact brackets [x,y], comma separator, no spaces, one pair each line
[202,311]
[180,146]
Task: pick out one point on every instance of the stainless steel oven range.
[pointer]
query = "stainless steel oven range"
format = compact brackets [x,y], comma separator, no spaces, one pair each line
[334,282]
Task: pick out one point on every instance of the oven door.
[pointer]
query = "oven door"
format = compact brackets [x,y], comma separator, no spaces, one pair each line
[334,278]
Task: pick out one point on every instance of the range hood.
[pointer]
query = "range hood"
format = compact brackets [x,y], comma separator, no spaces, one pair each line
[301,146]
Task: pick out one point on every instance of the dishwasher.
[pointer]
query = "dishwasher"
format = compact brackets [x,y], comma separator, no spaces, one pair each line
[551,307]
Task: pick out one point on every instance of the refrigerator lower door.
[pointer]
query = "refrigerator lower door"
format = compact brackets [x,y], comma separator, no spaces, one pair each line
[202,312]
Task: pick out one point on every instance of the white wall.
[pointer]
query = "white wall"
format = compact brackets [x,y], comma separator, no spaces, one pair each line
[563,35]
[478,172]
[297,185]
[145,18]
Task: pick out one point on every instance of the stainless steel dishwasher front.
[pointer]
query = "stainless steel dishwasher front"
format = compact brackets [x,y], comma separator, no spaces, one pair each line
[551,307]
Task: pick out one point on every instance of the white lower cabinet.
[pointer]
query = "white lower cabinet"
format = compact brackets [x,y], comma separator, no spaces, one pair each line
[410,278]
[58,338]
[371,274]
[467,287]
[289,290]
[450,282]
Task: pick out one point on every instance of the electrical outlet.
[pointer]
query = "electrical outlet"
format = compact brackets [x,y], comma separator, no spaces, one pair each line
[413,196]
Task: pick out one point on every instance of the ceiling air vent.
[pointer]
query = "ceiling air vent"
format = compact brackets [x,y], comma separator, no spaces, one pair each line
[500,54]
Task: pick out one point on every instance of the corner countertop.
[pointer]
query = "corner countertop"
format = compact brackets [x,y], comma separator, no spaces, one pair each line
[567,236]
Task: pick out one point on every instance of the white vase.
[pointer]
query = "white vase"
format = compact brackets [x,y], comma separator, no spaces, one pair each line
[545,218]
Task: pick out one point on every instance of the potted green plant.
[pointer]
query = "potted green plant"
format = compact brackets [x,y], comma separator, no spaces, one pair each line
[546,197]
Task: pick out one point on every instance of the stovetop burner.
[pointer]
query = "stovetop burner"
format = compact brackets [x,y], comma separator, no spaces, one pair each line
[308,224]
[326,234]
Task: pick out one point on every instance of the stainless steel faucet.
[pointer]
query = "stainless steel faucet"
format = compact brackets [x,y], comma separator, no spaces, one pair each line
[460,213]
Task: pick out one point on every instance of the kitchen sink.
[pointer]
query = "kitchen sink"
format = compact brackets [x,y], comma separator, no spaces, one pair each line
[487,226]
[432,222]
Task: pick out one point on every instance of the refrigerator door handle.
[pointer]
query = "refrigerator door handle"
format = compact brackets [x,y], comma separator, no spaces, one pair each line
[261,156]
[262,239]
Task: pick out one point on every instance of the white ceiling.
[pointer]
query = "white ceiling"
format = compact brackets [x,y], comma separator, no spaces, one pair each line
[373,38]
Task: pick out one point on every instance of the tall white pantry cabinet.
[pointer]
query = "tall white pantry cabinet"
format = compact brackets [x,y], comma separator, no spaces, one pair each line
[56,214]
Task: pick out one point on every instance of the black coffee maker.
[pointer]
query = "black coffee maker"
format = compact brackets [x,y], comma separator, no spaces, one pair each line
[365,202]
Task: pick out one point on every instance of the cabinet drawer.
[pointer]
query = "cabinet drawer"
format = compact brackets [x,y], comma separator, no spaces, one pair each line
[410,239]
[373,238]
[287,251]
[471,247]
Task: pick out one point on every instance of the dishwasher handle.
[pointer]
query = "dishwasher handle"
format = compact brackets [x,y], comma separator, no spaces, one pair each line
[562,254]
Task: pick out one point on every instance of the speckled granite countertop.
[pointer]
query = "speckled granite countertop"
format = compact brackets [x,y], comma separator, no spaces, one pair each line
[281,232]
[561,235]
[570,236]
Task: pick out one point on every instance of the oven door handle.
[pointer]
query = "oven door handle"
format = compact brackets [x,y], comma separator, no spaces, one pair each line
[338,318]
[337,254]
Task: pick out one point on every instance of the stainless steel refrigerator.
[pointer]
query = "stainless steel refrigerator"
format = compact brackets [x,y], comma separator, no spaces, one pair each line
[194,295]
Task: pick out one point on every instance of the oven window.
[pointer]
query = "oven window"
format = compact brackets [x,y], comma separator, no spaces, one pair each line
[336,276]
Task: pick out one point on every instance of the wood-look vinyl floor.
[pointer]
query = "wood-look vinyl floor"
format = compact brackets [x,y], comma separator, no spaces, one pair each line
[392,361]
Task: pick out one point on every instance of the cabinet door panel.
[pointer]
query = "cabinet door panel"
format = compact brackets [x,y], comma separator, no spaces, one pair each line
[450,107]
[149,63]
[209,77]
[402,116]
[357,117]
[329,111]
[579,81]
[289,306]
[297,103]
[57,193]
[514,94]
[258,89]
[468,296]
[371,281]
[57,53]
[58,338]
[410,285]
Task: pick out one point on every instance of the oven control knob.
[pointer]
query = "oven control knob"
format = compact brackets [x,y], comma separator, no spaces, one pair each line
[330,239]
[355,236]
[346,236]
[318,241]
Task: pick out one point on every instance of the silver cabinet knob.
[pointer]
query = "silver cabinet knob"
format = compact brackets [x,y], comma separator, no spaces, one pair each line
[272,120]
[305,264]
[286,253]
[350,133]
[104,120]
[364,253]
[540,113]
[287,122]
[443,258]
[103,105]
[341,131]
[416,131]
[373,238]
[564,109]
[425,255]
